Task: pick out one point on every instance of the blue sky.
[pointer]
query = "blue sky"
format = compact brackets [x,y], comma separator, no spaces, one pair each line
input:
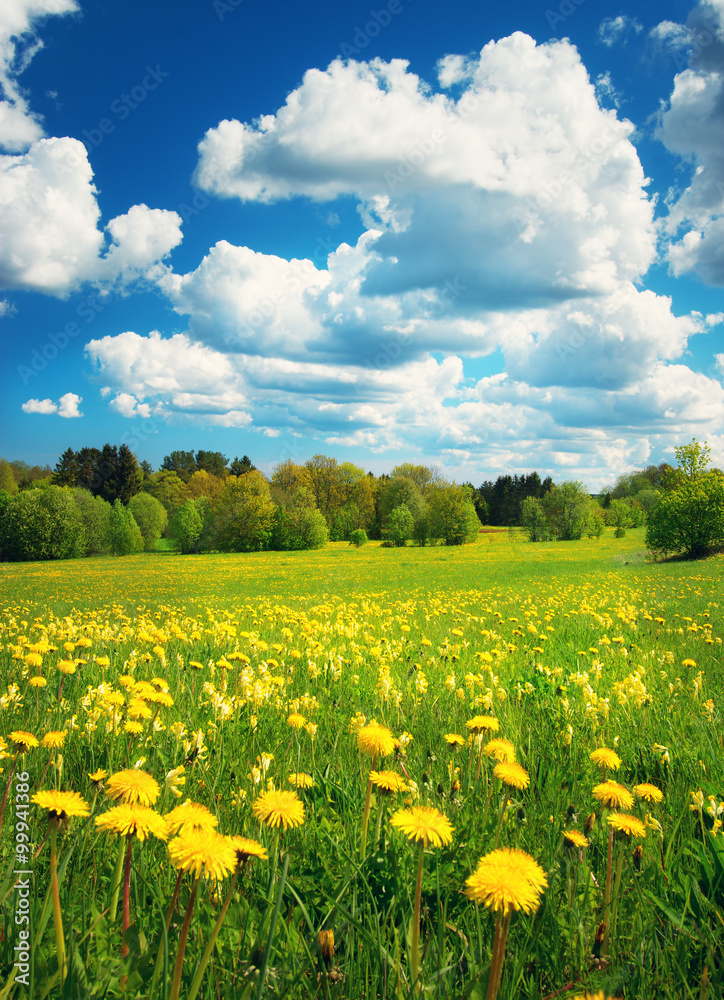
[486,237]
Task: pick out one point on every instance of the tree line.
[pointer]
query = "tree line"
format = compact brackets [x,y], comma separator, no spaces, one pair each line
[99,501]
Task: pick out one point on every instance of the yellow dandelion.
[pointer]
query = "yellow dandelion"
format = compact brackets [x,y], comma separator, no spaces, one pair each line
[455,740]
[606,758]
[649,792]
[483,723]
[375,740]
[502,750]
[507,879]
[600,995]
[98,776]
[279,808]
[61,806]
[203,853]
[54,739]
[425,824]
[572,838]
[388,782]
[133,786]
[628,825]
[190,816]
[301,780]
[247,849]
[23,741]
[133,820]
[296,721]
[511,774]
[37,682]
[133,727]
[66,666]
[613,796]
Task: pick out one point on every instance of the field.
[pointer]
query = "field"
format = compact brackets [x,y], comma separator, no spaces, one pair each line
[228,679]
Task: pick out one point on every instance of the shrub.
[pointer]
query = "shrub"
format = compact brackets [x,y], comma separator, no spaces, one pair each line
[357,537]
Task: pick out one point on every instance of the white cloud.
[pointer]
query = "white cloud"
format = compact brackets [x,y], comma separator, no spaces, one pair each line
[40,406]
[691,128]
[67,406]
[49,219]
[614,29]
[19,127]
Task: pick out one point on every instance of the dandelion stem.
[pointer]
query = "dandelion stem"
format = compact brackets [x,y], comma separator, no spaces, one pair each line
[607,898]
[496,966]
[126,906]
[366,815]
[57,915]
[616,890]
[116,883]
[174,898]
[415,944]
[500,819]
[212,940]
[176,984]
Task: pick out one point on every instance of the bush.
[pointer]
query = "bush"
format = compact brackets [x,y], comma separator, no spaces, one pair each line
[150,516]
[689,518]
[41,524]
[126,536]
[357,537]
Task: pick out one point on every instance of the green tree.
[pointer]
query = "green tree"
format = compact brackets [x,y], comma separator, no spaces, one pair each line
[399,525]
[150,516]
[212,462]
[690,518]
[245,513]
[358,537]
[186,526]
[125,534]
[183,463]
[240,466]
[452,514]
[534,520]
[567,508]
[168,488]
[694,459]
[7,479]
[66,469]
[42,524]
[95,514]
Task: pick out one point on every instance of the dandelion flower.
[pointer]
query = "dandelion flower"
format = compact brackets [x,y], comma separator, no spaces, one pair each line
[133,820]
[511,774]
[455,740]
[277,808]
[424,823]
[37,682]
[507,879]
[572,838]
[23,741]
[502,750]
[301,780]
[606,758]
[66,666]
[98,776]
[649,792]
[54,740]
[600,995]
[203,853]
[61,806]
[388,782]
[246,849]
[613,796]
[133,786]
[375,740]
[623,823]
[296,721]
[190,816]
[483,723]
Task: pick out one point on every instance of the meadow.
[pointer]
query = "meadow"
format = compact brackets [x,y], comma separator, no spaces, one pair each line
[364,773]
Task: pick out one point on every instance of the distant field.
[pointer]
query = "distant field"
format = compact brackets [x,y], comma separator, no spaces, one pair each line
[273,662]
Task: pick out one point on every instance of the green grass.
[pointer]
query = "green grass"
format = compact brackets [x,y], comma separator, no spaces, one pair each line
[570,646]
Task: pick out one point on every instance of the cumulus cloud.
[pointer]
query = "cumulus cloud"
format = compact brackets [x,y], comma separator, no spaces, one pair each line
[615,29]
[19,127]
[67,406]
[691,127]
[49,219]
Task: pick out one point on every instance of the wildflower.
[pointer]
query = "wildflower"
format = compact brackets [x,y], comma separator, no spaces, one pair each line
[246,849]
[502,750]
[613,796]
[649,792]
[40,682]
[133,786]
[61,806]
[132,727]
[572,838]
[481,723]
[608,759]
[296,721]
[507,879]
[374,740]
[455,740]
[425,824]
[190,816]
[54,739]
[23,741]
[277,808]
[511,774]
[301,780]
[629,825]
[66,666]
[97,777]
[203,853]
[175,780]
[133,820]
[388,782]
